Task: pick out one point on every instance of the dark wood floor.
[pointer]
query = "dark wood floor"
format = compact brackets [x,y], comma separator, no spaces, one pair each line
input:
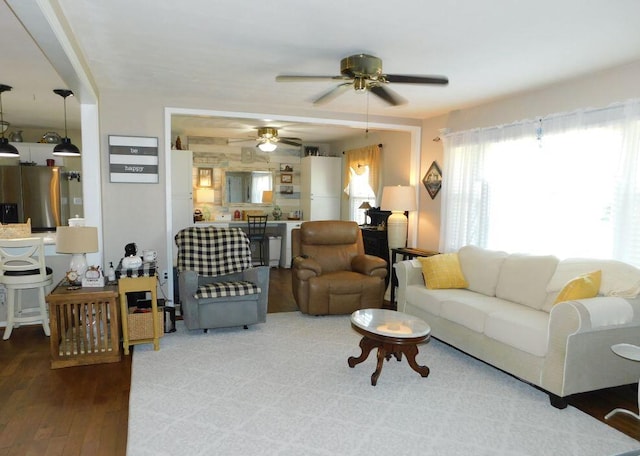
[84,410]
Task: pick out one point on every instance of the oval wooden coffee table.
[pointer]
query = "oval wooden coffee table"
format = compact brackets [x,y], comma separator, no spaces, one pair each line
[392,333]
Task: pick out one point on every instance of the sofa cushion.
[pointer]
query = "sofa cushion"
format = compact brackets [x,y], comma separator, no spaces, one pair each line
[481,268]
[521,327]
[523,279]
[442,271]
[432,300]
[226,289]
[582,287]
[472,311]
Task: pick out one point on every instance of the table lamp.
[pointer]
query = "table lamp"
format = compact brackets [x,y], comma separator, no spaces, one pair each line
[267,196]
[366,206]
[398,199]
[77,240]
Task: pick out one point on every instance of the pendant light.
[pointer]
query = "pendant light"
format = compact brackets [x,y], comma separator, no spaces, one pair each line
[65,148]
[6,149]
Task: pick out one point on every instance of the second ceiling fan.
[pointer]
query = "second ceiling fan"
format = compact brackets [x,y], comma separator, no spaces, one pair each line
[363,72]
[268,139]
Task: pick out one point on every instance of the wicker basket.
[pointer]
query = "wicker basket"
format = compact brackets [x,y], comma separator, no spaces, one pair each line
[15,230]
[141,325]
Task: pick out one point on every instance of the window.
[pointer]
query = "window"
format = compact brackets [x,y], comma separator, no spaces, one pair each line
[362,177]
[359,191]
[567,185]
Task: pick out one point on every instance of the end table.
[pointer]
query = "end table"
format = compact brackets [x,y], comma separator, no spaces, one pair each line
[631,352]
[407,253]
[84,325]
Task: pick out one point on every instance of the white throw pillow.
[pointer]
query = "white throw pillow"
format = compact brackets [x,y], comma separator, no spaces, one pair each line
[618,278]
[481,268]
[524,278]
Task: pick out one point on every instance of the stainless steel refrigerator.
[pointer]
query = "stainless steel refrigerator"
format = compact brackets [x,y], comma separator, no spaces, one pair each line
[41,193]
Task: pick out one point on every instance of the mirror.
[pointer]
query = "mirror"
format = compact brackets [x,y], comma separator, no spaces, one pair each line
[246,186]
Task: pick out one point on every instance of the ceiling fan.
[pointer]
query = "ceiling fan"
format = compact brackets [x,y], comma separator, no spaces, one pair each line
[268,139]
[364,72]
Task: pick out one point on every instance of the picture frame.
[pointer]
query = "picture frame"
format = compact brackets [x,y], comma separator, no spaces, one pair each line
[286,189]
[286,178]
[432,180]
[205,177]
[286,167]
[133,159]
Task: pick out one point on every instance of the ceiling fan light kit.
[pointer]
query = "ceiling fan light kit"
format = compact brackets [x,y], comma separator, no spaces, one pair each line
[268,139]
[267,146]
[65,148]
[6,149]
[364,72]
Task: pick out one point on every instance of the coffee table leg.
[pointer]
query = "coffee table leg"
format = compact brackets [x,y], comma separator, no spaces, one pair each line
[366,345]
[410,352]
[382,355]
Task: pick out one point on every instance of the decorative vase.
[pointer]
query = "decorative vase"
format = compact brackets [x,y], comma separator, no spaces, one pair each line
[277,212]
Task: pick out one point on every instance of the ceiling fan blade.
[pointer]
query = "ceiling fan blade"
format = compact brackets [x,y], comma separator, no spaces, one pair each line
[333,93]
[296,142]
[387,95]
[302,78]
[409,79]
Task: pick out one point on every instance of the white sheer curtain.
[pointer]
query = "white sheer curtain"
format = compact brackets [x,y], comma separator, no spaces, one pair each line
[567,185]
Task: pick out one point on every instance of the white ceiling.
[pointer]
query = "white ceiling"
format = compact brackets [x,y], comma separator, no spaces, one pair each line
[230,52]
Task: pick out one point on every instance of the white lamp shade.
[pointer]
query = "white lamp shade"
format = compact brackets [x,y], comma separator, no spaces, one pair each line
[76,239]
[398,198]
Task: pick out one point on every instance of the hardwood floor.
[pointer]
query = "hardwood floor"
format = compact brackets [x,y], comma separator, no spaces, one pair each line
[84,410]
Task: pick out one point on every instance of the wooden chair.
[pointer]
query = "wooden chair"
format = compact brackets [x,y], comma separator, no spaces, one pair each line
[22,267]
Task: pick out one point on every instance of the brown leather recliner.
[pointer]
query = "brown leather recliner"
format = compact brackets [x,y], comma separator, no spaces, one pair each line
[331,274]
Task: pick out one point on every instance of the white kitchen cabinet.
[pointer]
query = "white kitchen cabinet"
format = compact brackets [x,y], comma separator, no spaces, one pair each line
[285,248]
[320,187]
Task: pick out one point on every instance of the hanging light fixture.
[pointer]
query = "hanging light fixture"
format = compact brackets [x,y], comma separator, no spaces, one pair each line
[6,149]
[65,148]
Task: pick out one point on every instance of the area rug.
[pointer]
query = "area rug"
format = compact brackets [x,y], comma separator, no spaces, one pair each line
[284,388]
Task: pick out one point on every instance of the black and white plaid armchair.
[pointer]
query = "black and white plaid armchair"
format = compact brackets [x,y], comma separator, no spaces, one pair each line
[218,287]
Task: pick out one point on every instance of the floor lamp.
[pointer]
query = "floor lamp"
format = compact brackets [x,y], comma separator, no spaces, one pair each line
[398,199]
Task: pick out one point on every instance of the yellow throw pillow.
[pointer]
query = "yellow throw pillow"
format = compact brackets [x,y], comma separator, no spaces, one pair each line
[443,271]
[582,287]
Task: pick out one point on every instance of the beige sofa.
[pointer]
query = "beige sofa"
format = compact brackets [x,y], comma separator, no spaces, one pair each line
[506,316]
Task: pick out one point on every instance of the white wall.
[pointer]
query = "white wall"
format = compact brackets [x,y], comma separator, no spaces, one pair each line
[594,90]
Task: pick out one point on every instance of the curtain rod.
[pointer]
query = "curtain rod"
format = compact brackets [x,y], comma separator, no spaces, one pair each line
[379,145]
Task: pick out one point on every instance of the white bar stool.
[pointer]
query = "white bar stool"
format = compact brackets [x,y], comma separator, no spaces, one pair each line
[22,267]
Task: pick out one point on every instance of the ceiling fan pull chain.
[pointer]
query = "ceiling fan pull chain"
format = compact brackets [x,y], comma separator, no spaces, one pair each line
[366,131]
